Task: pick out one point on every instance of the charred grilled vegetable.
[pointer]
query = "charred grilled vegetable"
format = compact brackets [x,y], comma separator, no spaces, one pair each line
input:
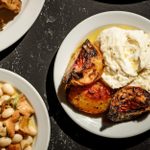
[92,99]
[85,65]
[128,103]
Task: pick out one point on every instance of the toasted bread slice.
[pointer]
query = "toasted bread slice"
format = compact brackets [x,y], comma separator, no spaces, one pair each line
[85,66]
[92,99]
[24,107]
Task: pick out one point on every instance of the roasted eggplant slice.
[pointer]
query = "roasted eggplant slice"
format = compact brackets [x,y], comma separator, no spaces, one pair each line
[92,99]
[85,66]
[128,103]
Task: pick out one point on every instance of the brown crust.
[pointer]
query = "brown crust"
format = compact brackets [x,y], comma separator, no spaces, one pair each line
[10,123]
[24,107]
[92,99]
[14,147]
[85,66]
[128,103]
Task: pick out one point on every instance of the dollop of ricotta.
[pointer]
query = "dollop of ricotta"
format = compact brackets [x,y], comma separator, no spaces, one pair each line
[126,53]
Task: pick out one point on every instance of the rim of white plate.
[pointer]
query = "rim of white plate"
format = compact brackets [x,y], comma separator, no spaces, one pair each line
[42,117]
[16,28]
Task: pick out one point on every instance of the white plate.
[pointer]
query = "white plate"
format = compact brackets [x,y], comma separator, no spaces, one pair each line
[69,44]
[42,117]
[16,28]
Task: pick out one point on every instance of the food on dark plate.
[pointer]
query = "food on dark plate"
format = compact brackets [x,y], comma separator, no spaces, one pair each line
[12,5]
[128,103]
[91,99]
[85,66]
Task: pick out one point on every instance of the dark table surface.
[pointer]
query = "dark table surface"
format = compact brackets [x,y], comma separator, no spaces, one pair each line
[33,57]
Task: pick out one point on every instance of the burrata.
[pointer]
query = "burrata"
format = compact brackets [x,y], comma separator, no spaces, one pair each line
[126,53]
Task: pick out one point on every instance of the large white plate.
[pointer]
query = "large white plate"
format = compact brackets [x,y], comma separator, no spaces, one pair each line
[16,28]
[94,125]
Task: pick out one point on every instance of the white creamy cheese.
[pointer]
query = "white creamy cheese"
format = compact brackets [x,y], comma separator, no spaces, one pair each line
[126,53]
[143,80]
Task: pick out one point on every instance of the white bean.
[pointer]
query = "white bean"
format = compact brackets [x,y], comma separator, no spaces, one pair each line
[28,148]
[4,98]
[17,138]
[26,142]
[7,112]
[17,126]
[3,131]
[8,89]
[1,92]
[5,141]
[1,124]
[33,130]
[30,140]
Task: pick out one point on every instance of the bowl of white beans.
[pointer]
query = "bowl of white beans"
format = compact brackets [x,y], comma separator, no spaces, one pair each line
[24,119]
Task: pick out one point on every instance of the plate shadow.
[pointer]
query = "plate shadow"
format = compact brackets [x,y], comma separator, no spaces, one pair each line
[4,53]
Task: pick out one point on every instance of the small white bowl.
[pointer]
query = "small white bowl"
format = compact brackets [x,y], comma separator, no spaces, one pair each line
[41,113]
[66,49]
